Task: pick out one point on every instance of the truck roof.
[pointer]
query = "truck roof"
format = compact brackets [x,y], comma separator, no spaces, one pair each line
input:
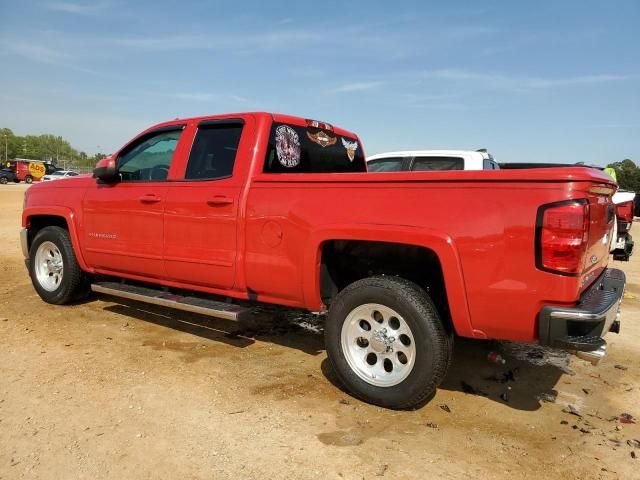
[277,117]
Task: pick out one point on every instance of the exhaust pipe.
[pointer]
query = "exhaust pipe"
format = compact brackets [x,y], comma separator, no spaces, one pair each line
[593,357]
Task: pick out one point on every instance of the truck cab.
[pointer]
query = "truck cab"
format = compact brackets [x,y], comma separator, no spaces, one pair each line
[432,160]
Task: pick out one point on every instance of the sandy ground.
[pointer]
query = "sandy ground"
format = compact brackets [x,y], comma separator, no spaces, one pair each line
[102,390]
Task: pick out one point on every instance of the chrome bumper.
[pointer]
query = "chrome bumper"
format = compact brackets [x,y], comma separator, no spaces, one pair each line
[24,242]
[582,327]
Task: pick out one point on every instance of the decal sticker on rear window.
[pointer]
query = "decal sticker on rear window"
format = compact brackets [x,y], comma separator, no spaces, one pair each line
[322,138]
[287,146]
[351,148]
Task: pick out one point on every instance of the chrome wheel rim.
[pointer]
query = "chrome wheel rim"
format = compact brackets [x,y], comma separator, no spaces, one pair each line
[378,345]
[49,266]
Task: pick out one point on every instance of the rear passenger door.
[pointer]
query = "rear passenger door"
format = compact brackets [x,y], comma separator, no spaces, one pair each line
[201,210]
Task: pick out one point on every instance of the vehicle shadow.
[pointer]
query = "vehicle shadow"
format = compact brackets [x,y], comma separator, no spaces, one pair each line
[286,327]
[523,382]
[526,379]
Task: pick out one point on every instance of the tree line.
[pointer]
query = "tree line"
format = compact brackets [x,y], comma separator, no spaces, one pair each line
[628,174]
[43,147]
[59,151]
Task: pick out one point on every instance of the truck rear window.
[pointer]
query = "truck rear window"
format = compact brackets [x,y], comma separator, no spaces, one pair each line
[294,149]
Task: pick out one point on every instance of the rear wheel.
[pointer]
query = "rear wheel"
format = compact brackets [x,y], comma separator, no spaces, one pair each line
[28,179]
[3,180]
[54,269]
[386,342]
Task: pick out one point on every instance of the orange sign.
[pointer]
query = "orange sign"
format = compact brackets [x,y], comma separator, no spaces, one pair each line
[37,170]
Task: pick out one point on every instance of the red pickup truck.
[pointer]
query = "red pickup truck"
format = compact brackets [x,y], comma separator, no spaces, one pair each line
[212,214]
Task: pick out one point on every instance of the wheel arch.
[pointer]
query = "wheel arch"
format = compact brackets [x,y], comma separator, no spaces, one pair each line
[440,246]
[35,219]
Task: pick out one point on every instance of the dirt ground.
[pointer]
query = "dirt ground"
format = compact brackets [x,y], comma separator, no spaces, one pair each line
[104,390]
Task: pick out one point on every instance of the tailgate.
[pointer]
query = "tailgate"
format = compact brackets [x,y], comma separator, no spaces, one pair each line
[601,221]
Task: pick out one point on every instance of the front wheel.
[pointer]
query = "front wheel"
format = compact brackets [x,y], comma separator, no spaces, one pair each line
[3,180]
[54,269]
[386,342]
[28,179]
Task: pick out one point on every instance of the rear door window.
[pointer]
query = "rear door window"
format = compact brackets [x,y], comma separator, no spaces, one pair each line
[214,151]
[295,149]
[426,164]
[391,164]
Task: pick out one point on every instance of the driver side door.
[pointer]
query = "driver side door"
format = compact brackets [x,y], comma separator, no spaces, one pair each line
[123,221]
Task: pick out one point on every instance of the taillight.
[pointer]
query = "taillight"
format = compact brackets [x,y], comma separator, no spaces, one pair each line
[624,211]
[562,235]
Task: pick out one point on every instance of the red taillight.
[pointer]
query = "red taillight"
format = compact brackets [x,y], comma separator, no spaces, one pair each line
[562,235]
[624,211]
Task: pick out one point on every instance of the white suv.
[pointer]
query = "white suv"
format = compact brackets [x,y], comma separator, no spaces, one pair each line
[426,160]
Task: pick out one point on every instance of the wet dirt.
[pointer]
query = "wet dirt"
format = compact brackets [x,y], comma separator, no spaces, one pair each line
[110,390]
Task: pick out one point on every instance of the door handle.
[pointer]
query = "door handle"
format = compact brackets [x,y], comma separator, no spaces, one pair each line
[150,198]
[220,200]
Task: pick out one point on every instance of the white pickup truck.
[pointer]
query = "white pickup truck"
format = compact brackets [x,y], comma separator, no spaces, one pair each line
[426,160]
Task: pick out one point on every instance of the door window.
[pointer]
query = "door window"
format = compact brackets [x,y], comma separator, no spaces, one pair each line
[148,159]
[425,164]
[391,164]
[214,151]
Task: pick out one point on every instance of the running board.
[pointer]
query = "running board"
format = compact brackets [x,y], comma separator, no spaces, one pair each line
[203,306]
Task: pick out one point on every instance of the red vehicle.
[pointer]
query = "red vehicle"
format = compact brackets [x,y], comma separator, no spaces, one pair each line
[213,214]
[30,171]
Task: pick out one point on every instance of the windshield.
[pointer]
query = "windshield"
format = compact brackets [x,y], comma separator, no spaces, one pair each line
[295,149]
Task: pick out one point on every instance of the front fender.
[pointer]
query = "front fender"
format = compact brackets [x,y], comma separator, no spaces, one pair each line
[441,244]
[69,216]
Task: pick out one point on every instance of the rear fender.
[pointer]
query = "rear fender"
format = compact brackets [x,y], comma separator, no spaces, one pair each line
[441,244]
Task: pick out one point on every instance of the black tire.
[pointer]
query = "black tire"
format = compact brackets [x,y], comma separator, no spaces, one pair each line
[28,179]
[75,284]
[434,345]
[3,180]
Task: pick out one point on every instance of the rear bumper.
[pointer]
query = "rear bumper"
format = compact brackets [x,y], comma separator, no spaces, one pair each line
[582,327]
[624,247]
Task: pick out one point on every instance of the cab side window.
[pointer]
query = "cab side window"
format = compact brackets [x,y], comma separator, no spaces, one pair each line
[391,164]
[489,164]
[148,159]
[427,164]
[214,151]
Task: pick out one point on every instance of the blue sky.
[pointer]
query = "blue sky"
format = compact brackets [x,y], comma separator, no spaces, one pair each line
[531,81]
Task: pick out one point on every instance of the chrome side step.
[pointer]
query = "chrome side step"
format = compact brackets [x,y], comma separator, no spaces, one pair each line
[202,306]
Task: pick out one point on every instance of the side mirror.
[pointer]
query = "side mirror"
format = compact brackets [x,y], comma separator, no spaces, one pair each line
[106,170]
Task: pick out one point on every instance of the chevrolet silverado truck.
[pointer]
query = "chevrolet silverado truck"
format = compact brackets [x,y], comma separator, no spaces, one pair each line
[214,214]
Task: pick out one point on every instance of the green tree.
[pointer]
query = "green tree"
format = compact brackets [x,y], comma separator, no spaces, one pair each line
[628,174]
[12,143]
